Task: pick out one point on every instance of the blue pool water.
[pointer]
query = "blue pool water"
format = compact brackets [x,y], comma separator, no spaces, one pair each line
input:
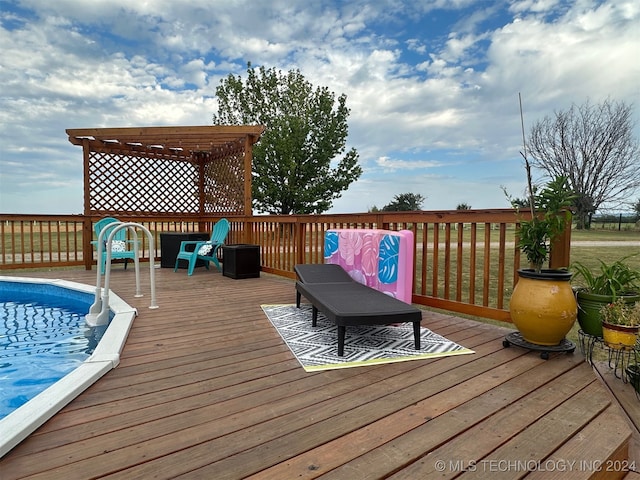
[43,336]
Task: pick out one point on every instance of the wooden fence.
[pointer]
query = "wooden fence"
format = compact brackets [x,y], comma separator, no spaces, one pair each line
[465,260]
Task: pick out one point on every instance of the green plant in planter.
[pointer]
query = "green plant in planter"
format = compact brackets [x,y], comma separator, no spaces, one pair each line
[543,314]
[542,305]
[550,207]
[594,289]
[550,211]
[615,279]
[620,323]
[621,313]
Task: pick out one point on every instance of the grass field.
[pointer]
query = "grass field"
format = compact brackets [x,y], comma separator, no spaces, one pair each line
[606,234]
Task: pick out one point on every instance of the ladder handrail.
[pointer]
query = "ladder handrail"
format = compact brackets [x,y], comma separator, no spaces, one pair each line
[99,310]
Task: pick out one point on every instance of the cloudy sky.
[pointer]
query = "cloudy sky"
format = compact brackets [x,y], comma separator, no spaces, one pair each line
[432,84]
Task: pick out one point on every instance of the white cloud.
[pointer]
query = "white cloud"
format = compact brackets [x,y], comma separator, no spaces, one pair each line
[390,165]
[572,63]
[419,104]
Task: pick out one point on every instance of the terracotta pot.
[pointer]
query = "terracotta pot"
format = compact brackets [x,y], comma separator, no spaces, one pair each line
[619,336]
[543,306]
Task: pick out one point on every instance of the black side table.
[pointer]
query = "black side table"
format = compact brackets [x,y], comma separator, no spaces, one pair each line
[170,246]
[241,261]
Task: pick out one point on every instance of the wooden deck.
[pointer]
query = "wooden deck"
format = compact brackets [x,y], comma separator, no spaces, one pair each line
[207,389]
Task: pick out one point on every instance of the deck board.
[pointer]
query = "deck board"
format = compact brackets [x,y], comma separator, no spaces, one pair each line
[206,388]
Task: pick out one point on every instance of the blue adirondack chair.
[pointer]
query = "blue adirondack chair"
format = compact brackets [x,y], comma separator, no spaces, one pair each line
[120,246]
[204,250]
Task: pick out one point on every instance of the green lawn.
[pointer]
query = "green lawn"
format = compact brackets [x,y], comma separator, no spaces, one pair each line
[605,235]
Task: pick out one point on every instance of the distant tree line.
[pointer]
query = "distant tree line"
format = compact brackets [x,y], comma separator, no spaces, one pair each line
[409,202]
[616,218]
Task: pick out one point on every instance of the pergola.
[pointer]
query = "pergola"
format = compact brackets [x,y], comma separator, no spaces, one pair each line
[198,170]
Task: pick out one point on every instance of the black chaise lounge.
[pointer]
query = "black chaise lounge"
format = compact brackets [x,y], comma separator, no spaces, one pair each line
[346,302]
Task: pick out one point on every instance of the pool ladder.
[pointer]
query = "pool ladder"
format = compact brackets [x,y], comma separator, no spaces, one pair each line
[99,311]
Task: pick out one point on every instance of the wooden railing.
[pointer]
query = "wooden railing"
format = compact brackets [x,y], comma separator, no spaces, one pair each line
[465,260]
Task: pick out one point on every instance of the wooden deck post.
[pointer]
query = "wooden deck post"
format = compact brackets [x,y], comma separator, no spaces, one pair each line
[560,249]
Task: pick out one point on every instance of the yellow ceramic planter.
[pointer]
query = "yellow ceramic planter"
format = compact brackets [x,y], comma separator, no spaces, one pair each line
[619,336]
[543,306]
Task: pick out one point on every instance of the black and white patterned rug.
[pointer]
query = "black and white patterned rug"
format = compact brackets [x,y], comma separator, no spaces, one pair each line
[316,348]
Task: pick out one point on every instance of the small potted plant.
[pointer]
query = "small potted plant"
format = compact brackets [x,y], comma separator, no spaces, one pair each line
[595,289]
[551,212]
[620,323]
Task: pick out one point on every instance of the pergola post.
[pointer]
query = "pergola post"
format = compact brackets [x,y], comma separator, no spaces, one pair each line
[87,227]
[201,192]
[248,198]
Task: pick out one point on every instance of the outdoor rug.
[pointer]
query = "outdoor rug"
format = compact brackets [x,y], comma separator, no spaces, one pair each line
[316,348]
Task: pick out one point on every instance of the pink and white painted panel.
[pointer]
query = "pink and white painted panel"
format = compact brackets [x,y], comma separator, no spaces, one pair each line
[380,259]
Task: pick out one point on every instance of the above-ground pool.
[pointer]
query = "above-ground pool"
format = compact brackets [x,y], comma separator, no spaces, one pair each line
[48,355]
[43,336]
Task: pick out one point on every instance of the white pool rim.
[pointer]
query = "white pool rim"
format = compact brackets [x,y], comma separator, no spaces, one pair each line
[20,423]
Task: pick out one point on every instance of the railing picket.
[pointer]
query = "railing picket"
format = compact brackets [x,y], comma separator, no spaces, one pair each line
[459,262]
[447,261]
[425,259]
[473,257]
[487,265]
[501,265]
[435,270]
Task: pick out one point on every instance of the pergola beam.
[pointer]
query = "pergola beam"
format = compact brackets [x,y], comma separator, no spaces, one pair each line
[189,139]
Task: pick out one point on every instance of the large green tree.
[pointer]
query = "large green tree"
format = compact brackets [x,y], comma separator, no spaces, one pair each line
[594,147]
[306,132]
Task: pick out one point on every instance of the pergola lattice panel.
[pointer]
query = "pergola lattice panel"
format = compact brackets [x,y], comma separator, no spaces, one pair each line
[145,184]
[168,170]
[223,185]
